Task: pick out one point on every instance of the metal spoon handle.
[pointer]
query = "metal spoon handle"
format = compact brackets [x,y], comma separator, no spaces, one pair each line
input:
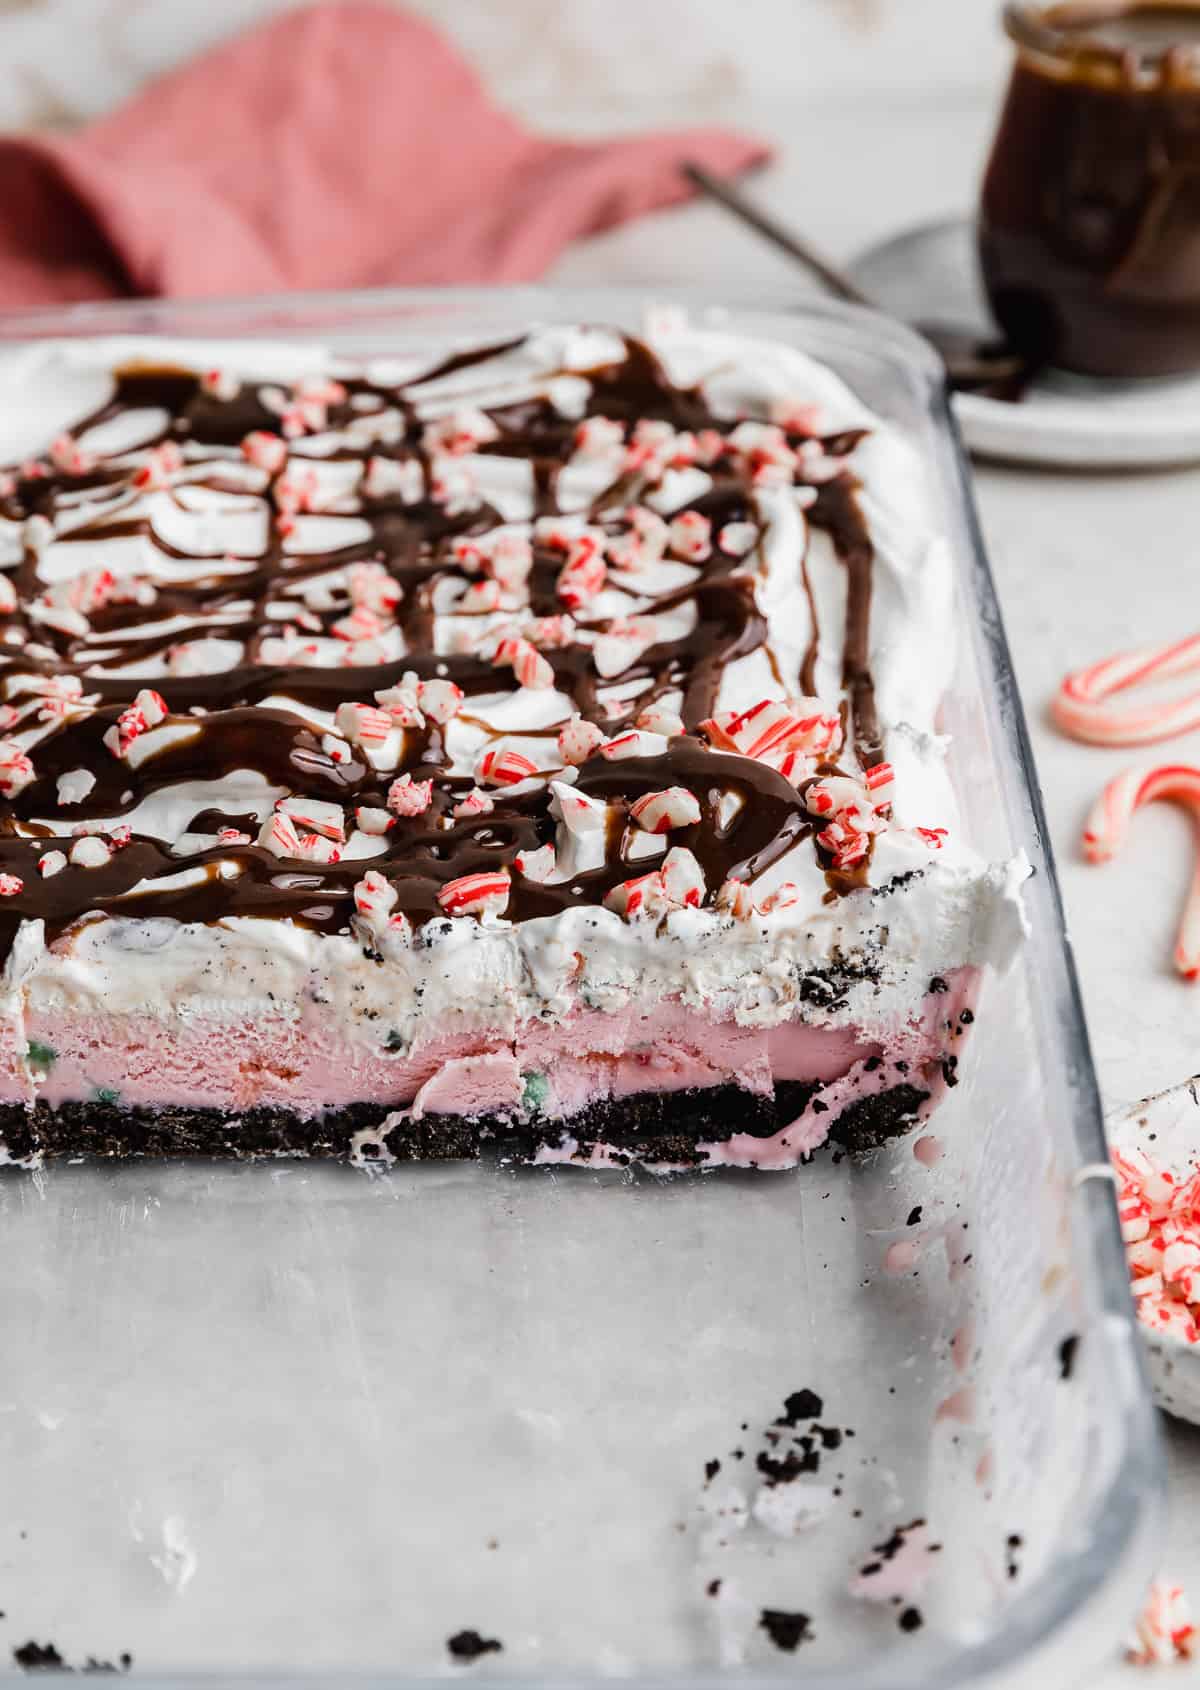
[827,273]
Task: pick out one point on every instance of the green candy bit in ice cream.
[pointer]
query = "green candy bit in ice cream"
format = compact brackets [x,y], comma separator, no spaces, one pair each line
[537,1090]
[40,1055]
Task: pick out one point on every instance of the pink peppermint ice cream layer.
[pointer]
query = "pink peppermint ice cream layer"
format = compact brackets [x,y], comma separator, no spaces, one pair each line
[304,1066]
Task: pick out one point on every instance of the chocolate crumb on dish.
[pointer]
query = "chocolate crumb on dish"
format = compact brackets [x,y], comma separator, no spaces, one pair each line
[39,1657]
[469,1645]
[786,1630]
[44,1657]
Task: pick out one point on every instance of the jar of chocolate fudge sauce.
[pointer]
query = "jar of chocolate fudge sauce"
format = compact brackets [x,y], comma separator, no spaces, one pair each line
[1089,230]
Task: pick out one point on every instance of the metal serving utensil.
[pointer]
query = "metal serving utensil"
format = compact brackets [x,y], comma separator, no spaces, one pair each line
[972,364]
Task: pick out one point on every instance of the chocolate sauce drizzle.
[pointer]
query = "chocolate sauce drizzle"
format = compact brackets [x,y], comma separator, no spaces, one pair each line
[230,728]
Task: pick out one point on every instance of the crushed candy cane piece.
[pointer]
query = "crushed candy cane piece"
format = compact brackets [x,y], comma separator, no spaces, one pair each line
[644,896]
[307,412]
[51,862]
[373,895]
[479,596]
[152,705]
[74,785]
[362,724]
[220,384]
[583,574]
[683,878]
[16,769]
[635,742]
[537,865]
[550,633]
[652,530]
[399,928]
[846,845]
[504,768]
[473,803]
[578,740]
[409,797]
[1160,1225]
[764,453]
[774,726]
[784,897]
[278,835]
[265,451]
[368,818]
[734,898]
[662,812]
[401,705]
[691,537]
[399,477]
[336,748]
[37,533]
[69,457]
[89,851]
[315,848]
[372,587]
[509,560]
[846,800]
[297,490]
[737,539]
[358,624]
[459,432]
[316,816]
[598,436]
[160,464]
[527,663]
[623,643]
[796,416]
[655,720]
[10,885]
[1164,1632]
[477,894]
[441,701]
[579,813]
[147,711]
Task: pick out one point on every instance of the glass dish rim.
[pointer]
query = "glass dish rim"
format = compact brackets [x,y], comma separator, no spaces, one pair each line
[1126,1510]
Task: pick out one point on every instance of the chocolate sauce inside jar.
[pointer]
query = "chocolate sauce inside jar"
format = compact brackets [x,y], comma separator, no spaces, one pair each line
[1089,229]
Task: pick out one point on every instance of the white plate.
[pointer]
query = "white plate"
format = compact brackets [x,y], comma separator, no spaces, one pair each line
[1167,1128]
[1065,421]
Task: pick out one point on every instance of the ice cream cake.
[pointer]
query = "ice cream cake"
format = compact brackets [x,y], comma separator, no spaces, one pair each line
[532,746]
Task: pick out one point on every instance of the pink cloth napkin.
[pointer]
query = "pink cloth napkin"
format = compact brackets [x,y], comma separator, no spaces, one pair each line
[343,145]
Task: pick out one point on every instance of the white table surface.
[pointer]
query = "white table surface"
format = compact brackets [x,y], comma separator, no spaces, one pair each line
[1086,565]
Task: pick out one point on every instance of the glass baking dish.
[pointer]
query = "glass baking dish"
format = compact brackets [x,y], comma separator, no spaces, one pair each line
[283,1422]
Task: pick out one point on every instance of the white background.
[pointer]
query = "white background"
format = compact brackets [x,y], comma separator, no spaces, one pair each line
[881,112]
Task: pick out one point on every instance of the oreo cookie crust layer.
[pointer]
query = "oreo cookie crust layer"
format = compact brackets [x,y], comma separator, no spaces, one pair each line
[532,748]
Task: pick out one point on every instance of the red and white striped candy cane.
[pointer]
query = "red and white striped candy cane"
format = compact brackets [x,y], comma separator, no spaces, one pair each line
[1108,825]
[1081,711]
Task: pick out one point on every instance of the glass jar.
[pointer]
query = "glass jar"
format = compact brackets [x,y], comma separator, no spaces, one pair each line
[1090,223]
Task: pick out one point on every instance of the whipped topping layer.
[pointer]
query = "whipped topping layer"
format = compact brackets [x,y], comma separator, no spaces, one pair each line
[574,670]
